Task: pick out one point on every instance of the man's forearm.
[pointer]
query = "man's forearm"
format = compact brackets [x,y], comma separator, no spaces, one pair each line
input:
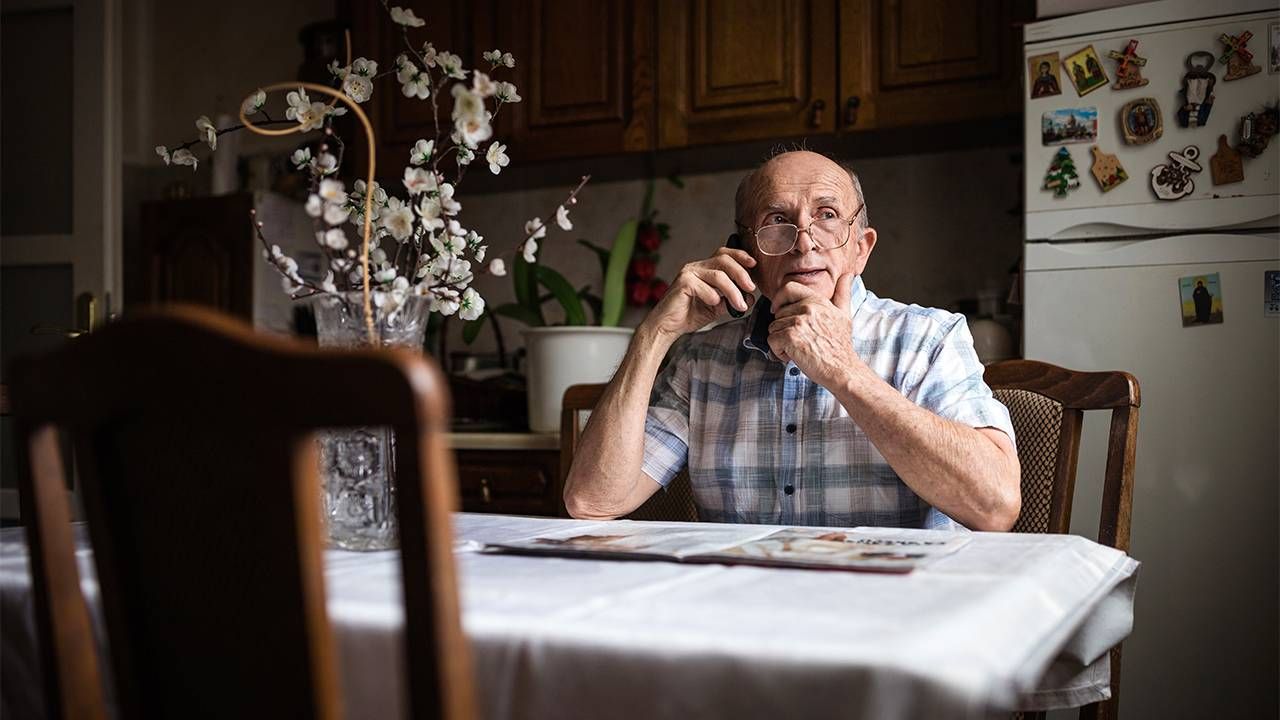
[953,467]
[607,461]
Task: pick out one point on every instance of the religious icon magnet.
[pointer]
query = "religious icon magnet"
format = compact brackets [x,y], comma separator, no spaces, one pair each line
[1172,180]
[1042,71]
[1197,90]
[1141,122]
[1128,67]
[1271,294]
[1273,47]
[1236,57]
[1107,169]
[1201,299]
[1085,70]
[1225,166]
[1069,125]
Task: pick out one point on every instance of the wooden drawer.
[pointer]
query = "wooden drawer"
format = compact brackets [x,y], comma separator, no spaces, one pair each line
[518,482]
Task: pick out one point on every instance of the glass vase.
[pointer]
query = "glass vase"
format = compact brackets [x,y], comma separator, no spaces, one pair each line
[357,464]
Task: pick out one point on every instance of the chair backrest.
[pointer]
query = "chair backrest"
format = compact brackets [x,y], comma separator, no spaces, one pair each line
[194,442]
[675,503]
[1047,404]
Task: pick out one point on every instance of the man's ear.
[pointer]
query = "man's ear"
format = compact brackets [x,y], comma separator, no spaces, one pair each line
[865,243]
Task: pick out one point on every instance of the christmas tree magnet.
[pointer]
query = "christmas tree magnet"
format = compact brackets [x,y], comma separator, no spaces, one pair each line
[1129,70]
[1197,90]
[1238,60]
[1225,166]
[1107,169]
[1172,180]
[1061,177]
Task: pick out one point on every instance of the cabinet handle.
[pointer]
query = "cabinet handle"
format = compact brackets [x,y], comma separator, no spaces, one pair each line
[485,496]
[851,110]
[815,113]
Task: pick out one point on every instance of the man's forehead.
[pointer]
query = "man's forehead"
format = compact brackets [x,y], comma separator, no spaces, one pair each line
[783,182]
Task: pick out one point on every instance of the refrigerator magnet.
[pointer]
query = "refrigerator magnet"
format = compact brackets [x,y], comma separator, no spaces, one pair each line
[1201,297]
[1256,130]
[1172,180]
[1043,71]
[1236,57]
[1225,166]
[1069,125]
[1140,121]
[1271,294]
[1061,177]
[1128,67]
[1197,90]
[1085,70]
[1107,169]
[1273,47]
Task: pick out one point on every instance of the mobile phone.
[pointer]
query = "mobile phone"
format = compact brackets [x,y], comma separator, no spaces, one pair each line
[735,242]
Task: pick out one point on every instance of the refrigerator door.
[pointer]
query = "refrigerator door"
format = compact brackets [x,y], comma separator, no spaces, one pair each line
[1132,207]
[1208,469]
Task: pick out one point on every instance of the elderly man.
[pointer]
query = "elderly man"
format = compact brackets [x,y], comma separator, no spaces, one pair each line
[825,406]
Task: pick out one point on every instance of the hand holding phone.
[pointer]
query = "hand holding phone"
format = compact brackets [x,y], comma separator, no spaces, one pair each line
[735,243]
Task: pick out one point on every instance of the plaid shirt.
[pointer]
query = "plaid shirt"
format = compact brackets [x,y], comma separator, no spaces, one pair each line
[764,444]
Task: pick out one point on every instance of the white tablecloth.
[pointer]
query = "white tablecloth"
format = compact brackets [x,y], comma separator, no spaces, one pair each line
[1009,620]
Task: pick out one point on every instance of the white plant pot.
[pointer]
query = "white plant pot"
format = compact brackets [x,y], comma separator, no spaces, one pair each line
[562,356]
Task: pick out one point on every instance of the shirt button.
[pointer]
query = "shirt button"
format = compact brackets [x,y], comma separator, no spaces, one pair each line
[795,371]
[791,428]
[790,489]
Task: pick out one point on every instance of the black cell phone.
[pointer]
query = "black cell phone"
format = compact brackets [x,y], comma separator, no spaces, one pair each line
[735,242]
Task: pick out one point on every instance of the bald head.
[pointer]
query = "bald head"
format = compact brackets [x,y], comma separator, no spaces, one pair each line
[784,168]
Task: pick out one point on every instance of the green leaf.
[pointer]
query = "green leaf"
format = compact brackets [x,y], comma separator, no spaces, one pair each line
[615,276]
[593,301]
[674,179]
[472,329]
[564,292]
[520,313]
[600,252]
[526,287]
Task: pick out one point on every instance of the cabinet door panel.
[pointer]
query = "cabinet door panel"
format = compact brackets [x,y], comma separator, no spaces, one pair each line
[744,70]
[924,41]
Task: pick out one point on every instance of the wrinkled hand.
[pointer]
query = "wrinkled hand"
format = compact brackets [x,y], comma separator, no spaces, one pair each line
[815,333]
[703,290]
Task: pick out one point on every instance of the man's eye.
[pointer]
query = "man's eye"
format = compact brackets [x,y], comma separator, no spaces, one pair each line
[825,214]
[777,219]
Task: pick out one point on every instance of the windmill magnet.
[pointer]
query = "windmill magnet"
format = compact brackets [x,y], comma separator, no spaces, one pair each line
[1197,90]
[1172,180]
[1107,169]
[1129,67]
[1236,57]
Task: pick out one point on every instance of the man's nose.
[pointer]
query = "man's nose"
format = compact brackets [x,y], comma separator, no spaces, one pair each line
[804,240]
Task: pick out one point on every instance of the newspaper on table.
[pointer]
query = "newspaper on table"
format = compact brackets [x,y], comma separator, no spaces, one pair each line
[889,550]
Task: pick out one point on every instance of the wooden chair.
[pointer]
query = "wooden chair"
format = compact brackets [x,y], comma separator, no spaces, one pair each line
[675,503]
[193,436]
[1047,404]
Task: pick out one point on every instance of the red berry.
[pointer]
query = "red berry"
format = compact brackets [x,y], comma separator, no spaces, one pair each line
[638,293]
[658,289]
[647,238]
[642,268]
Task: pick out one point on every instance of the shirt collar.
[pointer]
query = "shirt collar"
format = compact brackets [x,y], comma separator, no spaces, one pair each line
[757,337]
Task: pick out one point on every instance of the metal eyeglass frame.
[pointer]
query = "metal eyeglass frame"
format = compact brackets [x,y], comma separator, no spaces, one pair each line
[809,229]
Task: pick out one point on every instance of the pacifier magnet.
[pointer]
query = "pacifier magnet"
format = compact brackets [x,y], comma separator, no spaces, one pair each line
[1197,90]
[1172,180]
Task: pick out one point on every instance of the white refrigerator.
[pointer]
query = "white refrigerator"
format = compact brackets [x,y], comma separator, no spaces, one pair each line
[1102,292]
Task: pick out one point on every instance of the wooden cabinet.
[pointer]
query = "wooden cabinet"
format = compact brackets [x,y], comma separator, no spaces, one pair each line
[200,251]
[745,70]
[513,482]
[926,62]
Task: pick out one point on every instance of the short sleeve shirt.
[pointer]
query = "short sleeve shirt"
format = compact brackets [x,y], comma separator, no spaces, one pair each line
[765,444]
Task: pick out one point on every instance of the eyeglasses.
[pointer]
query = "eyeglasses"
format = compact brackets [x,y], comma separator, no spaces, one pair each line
[827,233]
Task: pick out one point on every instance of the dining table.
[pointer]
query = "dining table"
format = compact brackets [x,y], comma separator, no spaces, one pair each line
[1009,621]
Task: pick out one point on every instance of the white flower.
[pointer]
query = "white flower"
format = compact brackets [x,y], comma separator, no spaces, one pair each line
[310,115]
[418,180]
[183,156]
[466,104]
[364,67]
[562,218]
[497,267]
[534,229]
[508,60]
[207,131]
[301,158]
[444,305]
[358,87]
[418,85]
[334,213]
[254,102]
[335,69]
[473,131]
[465,155]
[472,305]
[327,283]
[457,270]
[163,152]
[479,253]
[335,238]
[448,205]
[493,56]
[378,256]
[429,54]
[403,16]
[530,250]
[482,85]
[331,190]
[386,274]
[497,157]
[429,211]
[315,206]
[326,163]
[397,219]
[421,152]
[447,244]
[507,92]
[405,69]
[451,65]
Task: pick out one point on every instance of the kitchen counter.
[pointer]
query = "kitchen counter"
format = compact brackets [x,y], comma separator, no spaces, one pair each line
[504,441]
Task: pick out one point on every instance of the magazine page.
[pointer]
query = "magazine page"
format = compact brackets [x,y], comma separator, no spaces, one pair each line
[637,540]
[868,549]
